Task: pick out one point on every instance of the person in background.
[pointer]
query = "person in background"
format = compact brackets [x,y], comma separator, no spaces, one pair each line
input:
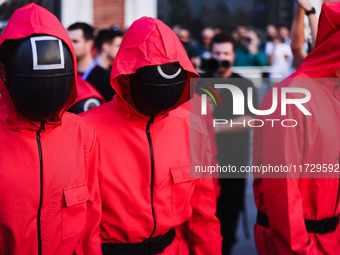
[242,32]
[150,203]
[107,43]
[49,192]
[298,40]
[207,35]
[218,29]
[82,38]
[248,53]
[184,36]
[232,142]
[177,29]
[239,34]
[235,35]
[201,53]
[280,58]
[284,34]
[88,97]
[271,34]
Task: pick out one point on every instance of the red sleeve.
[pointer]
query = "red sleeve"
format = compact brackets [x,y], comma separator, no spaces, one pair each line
[203,229]
[281,196]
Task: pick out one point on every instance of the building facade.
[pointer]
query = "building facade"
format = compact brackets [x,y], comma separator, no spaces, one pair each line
[99,13]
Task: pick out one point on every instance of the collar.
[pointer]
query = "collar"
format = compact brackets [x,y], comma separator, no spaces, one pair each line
[14,120]
[125,110]
[88,70]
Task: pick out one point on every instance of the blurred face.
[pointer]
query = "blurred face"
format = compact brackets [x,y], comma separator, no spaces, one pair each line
[114,47]
[242,30]
[223,52]
[252,38]
[235,35]
[184,35]
[271,31]
[284,32]
[177,30]
[81,46]
[207,36]
[242,33]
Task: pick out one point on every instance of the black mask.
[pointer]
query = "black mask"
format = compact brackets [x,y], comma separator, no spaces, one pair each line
[157,89]
[39,73]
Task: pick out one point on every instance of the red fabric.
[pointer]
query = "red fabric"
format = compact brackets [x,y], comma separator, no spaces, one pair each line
[71,205]
[161,47]
[194,106]
[125,171]
[327,42]
[86,91]
[315,140]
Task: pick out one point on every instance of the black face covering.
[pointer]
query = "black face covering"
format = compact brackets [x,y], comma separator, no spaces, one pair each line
[39,73]
[156,89]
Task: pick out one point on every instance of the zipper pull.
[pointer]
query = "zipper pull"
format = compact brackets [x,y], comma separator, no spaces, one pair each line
[150,121]
[152,118]
[42,126]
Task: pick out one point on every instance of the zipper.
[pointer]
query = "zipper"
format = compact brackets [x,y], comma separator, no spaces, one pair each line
[152,171]
[42,129]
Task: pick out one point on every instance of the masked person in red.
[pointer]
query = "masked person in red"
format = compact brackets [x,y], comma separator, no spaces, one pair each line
[88,97]
[301,215]
[49,193]
[150,203]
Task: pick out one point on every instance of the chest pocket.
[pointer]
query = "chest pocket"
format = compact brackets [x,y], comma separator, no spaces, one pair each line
[74,211]
[182,188]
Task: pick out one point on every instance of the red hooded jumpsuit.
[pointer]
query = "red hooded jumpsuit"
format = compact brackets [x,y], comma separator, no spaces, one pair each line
[146,186]
[291,204]
[49,193]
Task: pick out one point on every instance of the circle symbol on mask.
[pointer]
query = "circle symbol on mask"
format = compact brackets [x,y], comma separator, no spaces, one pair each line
[167,76]
[157,89]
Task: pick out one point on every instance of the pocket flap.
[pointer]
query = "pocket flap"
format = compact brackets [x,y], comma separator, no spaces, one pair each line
[76,194]
[181,174]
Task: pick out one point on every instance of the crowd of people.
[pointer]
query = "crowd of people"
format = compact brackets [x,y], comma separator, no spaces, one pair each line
[97,141]
[273,51]
[278,48]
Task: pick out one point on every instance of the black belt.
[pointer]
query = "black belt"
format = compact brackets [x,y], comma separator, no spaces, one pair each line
[323,226]
[151,246]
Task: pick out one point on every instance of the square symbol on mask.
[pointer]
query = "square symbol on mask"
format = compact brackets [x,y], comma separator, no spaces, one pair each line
[47,52]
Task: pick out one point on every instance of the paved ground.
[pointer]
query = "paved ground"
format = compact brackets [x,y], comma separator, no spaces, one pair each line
[247,246]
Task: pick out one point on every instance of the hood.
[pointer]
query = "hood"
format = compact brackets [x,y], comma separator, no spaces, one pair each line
[324,60]
[148,42]
[28,20]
